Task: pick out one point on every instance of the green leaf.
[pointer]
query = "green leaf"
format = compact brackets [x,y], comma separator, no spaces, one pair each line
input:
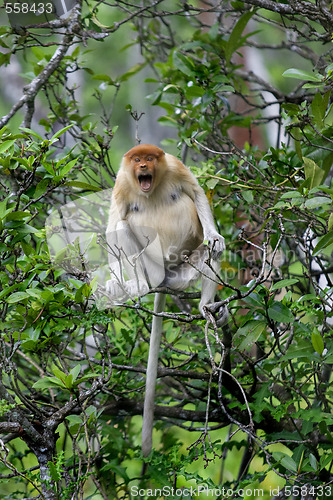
[330,222]
[317,342]
[313,461]
[32,132]
[82,185]
[248,196]
[193,91]
[58,373]
[317,201]
[280,313]
[39,53]
[312,172]
[235,40]
[75,422]
[116,468]
[18,215]
[248,334]
[23,228]
[53,471]
[74,419]
[309,297]
[7,291]
[17,297]
[47,382]
[69,381]
[105,78]
[298,138]
[291,194]
[67,167]
[325,460]
[299,351]
[313,85]
[4,58]
[132,71]
[289,463]
[283,283]
[34,292]
[323,243]
[319,107]
[212,183]
[302,75]
[172,89]
[24,162]
[75,372]
[49,168]
[5,146]
[3,210]
[183,63]
[90,376]
[60,132]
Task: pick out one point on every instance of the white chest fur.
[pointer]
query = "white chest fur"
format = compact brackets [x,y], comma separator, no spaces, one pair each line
[172,219]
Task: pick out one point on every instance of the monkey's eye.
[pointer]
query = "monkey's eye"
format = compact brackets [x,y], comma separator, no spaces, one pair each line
[150,158]
[137,159]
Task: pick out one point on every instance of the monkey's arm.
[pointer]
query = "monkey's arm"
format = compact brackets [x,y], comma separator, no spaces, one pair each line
[215,240]
[196,193]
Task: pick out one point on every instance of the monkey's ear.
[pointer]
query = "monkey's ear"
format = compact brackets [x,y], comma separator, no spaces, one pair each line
[160,153]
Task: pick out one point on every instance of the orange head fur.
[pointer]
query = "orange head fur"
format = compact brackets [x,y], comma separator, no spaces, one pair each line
[146,163]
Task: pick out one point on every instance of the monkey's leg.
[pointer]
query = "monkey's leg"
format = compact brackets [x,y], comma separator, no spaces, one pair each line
[185,274]
[179,277]
[115,286]
[131,267]
[146,265]
[208,291]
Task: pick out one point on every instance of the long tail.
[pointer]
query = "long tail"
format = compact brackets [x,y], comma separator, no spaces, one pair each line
[154,348]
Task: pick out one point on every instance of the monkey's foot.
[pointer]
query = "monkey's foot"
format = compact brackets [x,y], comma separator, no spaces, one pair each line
[136,288]
[220,313]
[222,316]
[216,244]
[116,292]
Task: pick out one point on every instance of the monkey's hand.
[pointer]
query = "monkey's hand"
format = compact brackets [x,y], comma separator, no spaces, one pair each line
[215,243]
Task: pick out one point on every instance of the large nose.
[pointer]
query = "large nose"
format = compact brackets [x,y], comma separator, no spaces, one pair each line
[143,165]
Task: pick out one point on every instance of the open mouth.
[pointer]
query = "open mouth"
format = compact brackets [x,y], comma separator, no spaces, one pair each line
[145,182]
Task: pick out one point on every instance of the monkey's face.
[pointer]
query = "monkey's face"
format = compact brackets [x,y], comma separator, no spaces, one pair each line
[146,164]
[144,168]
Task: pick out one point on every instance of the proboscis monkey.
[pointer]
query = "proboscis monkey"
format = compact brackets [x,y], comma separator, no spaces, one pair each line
[160,232]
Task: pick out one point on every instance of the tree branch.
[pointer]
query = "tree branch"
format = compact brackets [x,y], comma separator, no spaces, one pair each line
[31,90]
[7,427]
[306,9]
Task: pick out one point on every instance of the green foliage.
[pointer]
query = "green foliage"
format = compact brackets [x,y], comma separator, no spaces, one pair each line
[5,407]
